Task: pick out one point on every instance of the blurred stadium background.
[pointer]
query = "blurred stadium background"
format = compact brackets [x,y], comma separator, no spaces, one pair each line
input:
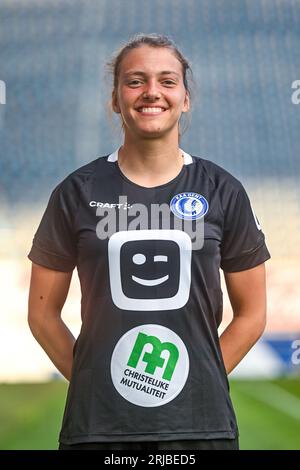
[245,56]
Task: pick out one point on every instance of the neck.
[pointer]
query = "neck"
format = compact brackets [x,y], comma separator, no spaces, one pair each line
[150,157]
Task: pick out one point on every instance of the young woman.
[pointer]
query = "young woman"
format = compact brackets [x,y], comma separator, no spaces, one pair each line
[148,228]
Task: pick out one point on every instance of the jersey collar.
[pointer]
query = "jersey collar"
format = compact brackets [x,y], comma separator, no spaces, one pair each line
[113,157]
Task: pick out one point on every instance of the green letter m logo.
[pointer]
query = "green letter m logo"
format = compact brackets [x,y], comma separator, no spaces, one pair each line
[154,358]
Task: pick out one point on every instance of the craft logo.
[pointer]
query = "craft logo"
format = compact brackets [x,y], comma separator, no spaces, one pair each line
[2,92]
[189,206]
[149,365]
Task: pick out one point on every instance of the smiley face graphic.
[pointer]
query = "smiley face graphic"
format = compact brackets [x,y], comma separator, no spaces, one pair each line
[150,269]
[139,258]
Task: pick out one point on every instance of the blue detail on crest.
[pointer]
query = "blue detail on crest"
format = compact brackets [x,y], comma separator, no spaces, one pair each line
[189,206]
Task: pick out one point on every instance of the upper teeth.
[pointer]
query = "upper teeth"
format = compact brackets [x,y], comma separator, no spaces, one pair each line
[151,110]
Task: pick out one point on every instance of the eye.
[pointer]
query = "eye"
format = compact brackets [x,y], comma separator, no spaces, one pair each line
[134,82]
[169,82]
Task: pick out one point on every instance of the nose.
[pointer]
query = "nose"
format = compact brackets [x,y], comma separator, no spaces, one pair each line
[151,91]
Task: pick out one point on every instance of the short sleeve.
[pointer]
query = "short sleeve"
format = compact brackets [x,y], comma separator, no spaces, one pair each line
[54,244]
[243,243]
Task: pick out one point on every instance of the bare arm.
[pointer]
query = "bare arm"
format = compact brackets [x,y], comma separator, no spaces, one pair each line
[47,295]
[247,294]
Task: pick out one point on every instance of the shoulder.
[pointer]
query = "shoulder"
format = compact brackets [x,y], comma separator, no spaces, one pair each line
[82,177]
[219,176]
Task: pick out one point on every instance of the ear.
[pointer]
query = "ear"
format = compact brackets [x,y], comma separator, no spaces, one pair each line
[186,105]
[114,102]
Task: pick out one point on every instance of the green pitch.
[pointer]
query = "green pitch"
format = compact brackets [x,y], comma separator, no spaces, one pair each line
[268,414]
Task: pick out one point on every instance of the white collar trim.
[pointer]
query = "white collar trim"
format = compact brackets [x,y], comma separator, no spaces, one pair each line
[113,157]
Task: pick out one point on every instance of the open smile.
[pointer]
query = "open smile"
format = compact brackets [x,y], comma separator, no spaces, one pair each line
[152,111]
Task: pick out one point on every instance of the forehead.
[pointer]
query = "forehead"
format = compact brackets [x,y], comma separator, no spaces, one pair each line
[150,60]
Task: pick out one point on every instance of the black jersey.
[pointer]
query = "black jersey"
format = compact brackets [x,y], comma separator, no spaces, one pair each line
[147,362]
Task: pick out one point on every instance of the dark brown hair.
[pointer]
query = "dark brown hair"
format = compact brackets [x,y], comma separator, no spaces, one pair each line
[152,40]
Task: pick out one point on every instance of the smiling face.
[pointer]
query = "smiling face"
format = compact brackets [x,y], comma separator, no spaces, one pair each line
[151,95]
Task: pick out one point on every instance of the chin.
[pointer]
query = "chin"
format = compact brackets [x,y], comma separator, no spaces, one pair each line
[155,131]
[151,134]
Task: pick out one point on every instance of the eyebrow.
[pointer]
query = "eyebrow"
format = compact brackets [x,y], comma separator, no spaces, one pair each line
[139,72]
